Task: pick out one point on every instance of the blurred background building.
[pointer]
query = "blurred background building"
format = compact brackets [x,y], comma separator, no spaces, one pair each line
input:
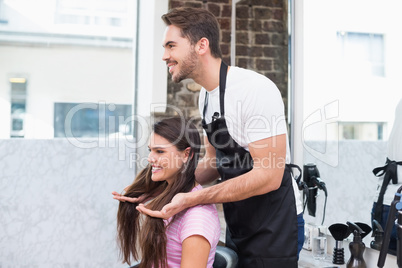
[56,54]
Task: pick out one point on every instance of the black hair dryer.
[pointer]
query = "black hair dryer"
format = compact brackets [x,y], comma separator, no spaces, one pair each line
[311,177]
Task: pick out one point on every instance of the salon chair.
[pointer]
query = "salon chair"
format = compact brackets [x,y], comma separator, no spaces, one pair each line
[225,258]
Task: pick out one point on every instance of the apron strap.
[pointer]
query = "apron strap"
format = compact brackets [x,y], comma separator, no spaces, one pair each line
[205,105]
[222,86]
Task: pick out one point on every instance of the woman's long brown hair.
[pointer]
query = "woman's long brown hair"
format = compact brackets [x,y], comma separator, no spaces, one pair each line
[148,239]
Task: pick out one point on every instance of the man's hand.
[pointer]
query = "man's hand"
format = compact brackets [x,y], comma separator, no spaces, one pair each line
[177,204]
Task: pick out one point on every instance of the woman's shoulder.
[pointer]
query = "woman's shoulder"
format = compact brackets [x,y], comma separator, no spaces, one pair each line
[206,211]
[202,220]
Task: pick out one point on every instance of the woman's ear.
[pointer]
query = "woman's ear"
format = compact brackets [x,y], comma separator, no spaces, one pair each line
[187,154]
[202,46]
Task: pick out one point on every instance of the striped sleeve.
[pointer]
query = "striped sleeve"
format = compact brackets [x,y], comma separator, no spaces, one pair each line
[201,220]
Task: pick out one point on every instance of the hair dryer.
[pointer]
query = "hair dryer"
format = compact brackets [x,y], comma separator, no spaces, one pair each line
[311,177]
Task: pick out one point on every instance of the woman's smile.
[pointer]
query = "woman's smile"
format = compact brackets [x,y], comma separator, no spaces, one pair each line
[156,169]
[165,158]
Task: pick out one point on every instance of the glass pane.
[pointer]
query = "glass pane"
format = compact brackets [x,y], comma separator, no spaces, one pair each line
[351,68]
[91,120]
[58,54]
[351,89]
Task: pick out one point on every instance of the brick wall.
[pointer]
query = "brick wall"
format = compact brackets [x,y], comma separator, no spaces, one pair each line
[262,39]
[261,45]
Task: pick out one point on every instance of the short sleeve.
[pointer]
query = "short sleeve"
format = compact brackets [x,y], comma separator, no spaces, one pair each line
[263,115]
[201,220]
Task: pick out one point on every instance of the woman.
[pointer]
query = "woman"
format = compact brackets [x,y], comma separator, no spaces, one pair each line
[188,239]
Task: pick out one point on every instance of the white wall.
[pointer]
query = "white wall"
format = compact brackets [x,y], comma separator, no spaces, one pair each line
[351,185]
[57,208]
[152,71]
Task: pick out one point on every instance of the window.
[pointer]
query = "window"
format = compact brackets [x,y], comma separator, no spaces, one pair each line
[347,77]
[91,119]
[88,12]
[3,19]
[72,51]
[365,131]
[18,106]
[362,52]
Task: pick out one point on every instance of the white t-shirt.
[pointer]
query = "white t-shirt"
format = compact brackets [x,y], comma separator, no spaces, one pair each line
[254,110]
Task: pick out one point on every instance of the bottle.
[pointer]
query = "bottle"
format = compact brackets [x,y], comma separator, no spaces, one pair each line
[356,248]
[378,234]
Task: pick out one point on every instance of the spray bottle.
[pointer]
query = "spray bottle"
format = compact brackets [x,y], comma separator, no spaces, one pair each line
[378,233]
[356,247]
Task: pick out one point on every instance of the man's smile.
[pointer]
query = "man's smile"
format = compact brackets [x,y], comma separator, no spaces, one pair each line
[171,66]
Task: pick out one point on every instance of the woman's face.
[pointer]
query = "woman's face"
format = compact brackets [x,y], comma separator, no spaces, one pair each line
[165,159]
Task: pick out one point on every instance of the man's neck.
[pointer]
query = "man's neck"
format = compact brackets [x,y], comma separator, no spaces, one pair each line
[208,77]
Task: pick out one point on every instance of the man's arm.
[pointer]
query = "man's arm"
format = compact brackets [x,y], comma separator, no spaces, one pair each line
[206,171]
[269,156]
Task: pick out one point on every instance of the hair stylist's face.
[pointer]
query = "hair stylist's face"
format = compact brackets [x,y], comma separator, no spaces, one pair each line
[179,54]
[165,159]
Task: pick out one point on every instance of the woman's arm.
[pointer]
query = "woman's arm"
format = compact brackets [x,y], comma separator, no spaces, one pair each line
[195,252]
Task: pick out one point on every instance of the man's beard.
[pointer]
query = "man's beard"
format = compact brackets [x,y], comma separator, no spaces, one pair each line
[187,66]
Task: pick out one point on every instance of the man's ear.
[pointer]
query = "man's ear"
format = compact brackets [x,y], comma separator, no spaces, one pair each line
[202,46]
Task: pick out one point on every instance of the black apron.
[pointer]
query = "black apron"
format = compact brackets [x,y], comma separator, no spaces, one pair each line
[261,229]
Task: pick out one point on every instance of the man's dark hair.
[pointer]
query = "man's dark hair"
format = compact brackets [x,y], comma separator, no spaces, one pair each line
[196,23]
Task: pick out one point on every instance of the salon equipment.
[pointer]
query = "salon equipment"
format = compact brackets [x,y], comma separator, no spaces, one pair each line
[339,231]
[300,183]
[319,242]
[378,234]
[356,247]
[389,171]
[399,233]
[396,205]
[311,177]
[365,228]
[225,258]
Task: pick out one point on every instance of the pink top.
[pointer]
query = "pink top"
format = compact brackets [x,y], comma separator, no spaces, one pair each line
[199,220]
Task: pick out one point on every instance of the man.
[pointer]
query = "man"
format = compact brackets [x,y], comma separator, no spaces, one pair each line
[246,145]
